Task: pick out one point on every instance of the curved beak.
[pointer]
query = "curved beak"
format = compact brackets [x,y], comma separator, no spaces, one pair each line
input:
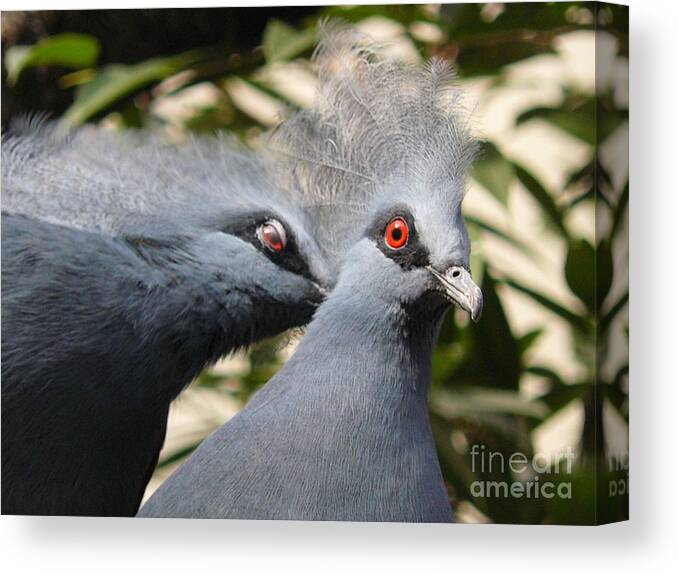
[459,288]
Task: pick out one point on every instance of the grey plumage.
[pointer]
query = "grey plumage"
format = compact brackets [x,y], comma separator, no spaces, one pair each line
[107,181]
[127,266]
[342,431]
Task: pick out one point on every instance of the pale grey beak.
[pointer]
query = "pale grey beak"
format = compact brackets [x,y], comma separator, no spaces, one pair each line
[458,287]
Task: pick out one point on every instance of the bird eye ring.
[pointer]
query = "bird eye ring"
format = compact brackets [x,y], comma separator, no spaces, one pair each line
[397,233]
[272,235]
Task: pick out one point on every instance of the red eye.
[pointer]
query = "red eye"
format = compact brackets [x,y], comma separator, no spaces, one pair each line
[396,233]
[272,235]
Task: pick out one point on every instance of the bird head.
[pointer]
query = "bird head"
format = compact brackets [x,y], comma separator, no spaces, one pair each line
[205,218]
[415,251]
[260,261]
[390,147]
[239,239]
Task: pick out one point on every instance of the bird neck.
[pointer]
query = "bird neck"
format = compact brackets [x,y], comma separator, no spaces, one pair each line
[355,397]
[379,349]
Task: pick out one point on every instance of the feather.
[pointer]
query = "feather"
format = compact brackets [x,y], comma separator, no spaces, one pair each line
[95,180]
[376,124]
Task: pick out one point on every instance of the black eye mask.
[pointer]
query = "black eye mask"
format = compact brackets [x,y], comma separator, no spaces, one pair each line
[245,227]
[413,254]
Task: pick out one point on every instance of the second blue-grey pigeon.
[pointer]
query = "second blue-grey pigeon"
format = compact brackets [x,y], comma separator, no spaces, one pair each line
[128,265]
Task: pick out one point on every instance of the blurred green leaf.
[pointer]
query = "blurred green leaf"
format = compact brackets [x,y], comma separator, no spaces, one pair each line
[544,198]
[493,335]
[67,50]
[609,316]
[468,20]
[178,455]
[594,177]
[494,172]
[620,211]
[581,509]
[580,271]
[492,353]
[486,58]
[116,81]
[561,395]
[208,379]
[449,332]
[282,42]
[76,78]
[526,341]
[477,263]
[582,175]
[546,373]
[578,120]
[604,272]
[579,323]
[472,401]
[585,118]
[291,105]
[621,373]
[608,117]
[264,364]
[402,13]
[490,229]
[617,398]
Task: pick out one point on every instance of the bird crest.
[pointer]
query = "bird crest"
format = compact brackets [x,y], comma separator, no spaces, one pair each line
[97,179]
[376,124]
